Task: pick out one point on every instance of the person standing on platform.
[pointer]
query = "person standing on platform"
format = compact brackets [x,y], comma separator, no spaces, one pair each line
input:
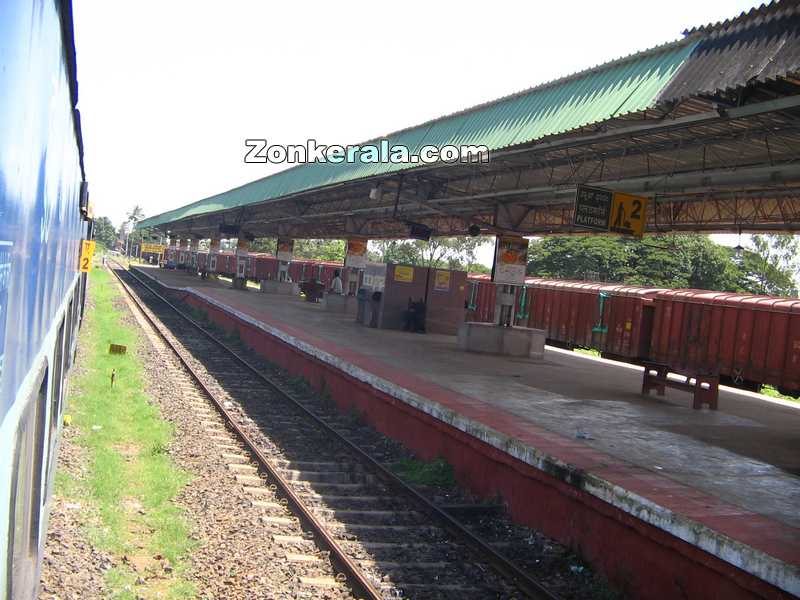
[336,284]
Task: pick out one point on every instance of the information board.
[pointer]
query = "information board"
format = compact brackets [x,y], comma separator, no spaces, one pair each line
[592,208]
[242,246]
[356,256]
[153,248]
[628,214]
[87,252]
[285,249]
[404,274]
[605,210]
[441,281]
[510,260]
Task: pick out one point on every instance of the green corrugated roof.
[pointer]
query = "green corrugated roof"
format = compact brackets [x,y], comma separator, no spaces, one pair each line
[617,88]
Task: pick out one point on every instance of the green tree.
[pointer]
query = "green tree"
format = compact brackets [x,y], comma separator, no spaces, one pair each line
[452,252]
[395,251]
[675,261]
[104,232]
[771,268]
[137,236]
[592,257]
[135,215]
[267,245]
[320,249]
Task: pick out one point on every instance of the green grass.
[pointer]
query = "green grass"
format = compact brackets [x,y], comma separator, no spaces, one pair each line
[131,482]
[437,472]
[588,352]
[770,391]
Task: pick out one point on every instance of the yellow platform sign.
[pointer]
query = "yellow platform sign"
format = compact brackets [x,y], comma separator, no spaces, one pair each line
[87,252]
[152,248]
[404,274]
[628,214]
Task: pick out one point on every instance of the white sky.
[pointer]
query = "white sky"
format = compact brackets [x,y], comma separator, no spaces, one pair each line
[170,89]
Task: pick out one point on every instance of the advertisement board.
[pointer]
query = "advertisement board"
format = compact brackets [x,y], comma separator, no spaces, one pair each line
[242,246]
[356,256]
[285,249]
[510,260]
[441,281]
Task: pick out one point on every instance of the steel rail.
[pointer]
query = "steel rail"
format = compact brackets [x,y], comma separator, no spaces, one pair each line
[358,579]
[508,570]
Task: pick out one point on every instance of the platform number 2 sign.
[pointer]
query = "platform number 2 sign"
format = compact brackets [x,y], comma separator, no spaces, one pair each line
[87,252]
[628,214]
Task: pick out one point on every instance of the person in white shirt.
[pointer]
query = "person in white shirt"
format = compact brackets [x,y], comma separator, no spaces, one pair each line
[336,284]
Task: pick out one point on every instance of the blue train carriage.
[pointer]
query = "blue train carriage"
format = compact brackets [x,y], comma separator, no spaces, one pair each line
[44,215]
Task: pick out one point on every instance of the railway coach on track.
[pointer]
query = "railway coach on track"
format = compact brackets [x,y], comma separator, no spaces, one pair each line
[45,216]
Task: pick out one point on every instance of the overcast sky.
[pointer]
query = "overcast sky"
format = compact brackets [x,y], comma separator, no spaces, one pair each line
[170,89]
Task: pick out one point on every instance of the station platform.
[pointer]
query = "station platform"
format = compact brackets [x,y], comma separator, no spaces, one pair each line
[668,501]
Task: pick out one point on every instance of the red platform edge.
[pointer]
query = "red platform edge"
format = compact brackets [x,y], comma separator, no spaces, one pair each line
[593,503]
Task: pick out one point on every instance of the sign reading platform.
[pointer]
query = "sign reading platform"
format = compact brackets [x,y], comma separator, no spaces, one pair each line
[605,210]
[153,248]
[592,208]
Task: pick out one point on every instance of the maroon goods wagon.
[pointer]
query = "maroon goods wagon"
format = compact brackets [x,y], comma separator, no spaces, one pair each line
[226,264]
[615,319]
[193,260]
[325,271]
[480,299]
[265,266]
[748,340]
[299,270]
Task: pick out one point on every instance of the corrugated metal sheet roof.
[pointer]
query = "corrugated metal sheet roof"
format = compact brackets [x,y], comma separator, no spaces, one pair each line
[615,89]
[762,45]
[771,8]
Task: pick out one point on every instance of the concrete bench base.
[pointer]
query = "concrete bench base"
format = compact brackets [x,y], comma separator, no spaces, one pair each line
[287,288]
[239,283]
[493,339]
[345,305]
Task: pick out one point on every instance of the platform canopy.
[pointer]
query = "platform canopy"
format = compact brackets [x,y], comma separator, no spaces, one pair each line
[708,127]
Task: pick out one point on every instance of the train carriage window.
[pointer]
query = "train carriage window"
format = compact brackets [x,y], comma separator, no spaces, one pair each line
[56,392]
[68,336]
[26,493]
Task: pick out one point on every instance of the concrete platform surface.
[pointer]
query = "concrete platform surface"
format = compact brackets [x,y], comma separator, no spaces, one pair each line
[718,479]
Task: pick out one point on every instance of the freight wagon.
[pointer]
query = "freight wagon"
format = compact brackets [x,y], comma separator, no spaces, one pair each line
[741,339]
[749,340]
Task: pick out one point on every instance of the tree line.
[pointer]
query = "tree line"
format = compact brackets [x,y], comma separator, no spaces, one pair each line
[675,261]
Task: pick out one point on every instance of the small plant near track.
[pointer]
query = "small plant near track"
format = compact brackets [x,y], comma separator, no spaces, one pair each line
[438,472]
[130,481]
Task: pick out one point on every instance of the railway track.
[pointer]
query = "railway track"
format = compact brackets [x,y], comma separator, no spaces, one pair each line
[387,539]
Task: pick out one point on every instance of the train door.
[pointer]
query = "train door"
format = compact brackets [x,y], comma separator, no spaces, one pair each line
[212,263]
[26,495]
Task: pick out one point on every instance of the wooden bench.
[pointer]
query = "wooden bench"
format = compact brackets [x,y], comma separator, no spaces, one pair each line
[704,386]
